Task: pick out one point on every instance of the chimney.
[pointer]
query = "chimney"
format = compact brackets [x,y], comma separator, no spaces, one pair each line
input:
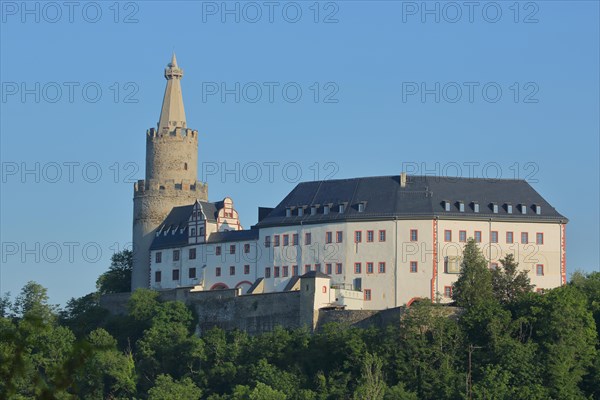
[403,179]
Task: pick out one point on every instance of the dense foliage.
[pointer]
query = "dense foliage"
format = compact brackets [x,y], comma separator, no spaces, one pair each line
[505,342]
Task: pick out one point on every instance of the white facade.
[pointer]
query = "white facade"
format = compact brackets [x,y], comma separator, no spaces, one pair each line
[388,266]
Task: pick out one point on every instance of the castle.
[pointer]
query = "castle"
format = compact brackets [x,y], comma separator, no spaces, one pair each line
[371,243]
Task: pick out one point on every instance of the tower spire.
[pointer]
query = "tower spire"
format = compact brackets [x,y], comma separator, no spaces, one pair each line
[172,114]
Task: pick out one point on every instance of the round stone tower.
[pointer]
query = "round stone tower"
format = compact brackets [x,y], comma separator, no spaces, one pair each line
[171,175]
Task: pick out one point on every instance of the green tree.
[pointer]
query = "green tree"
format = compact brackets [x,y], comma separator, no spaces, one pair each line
[372,383]
[567,335]
[84,314]
[169,345]
[107,373]
[508,283]
[474,284]
[166,388]
[118,277]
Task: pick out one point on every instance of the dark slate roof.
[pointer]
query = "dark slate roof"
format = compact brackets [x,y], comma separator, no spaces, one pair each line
[291,283]
[255,285]
[233,236]
[422,197]
[315,274]
[177,219]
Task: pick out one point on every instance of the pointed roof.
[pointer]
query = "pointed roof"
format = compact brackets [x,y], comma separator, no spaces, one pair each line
[172,114]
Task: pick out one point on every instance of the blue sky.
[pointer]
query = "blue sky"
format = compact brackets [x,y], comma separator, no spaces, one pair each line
[494,91]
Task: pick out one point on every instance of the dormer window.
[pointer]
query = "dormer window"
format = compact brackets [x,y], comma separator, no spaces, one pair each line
[538,209]
[476,207]
[447,205]
[288,212]
[341,208]
[523,209]
[461,206]
[326,209]
[313,210]
[361,207]
[495,208]
[509,208]
[301,212]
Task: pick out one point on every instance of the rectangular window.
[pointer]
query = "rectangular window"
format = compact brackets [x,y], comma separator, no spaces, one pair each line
[357,236]
[285,271]
[267,272]
[476,207]
[495,208]
[524,237]
[218,271]
[447,291]
[232,270]
[275,272]
[158,257]
[494,236]
[338,268]
[328,269]
[367,294]
[246,270]
[478,236]
[382,268]
[370,236]
[447,235]
[307,238]
[218,251]
[295,239]
[357,268]
[175,255]
[157,276]
[192,273]
[361,207]
[286,240]
[382,236]
[247,248]
[414,235]
[370,268]
[318,267]
[232,249]
[461,206]
[462,236]
[276,239]
[509,208]
[339,236]
[539,238]
[192,254]
[267,241]
[509,237]
[414,266]
[175,274]
[306,268]
[294,270]
[539,269]
[328,237]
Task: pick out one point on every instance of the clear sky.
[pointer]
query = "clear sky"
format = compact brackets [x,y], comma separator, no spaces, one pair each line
[282,92]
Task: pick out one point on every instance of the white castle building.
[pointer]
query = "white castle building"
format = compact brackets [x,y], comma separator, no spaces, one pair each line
[370,243]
